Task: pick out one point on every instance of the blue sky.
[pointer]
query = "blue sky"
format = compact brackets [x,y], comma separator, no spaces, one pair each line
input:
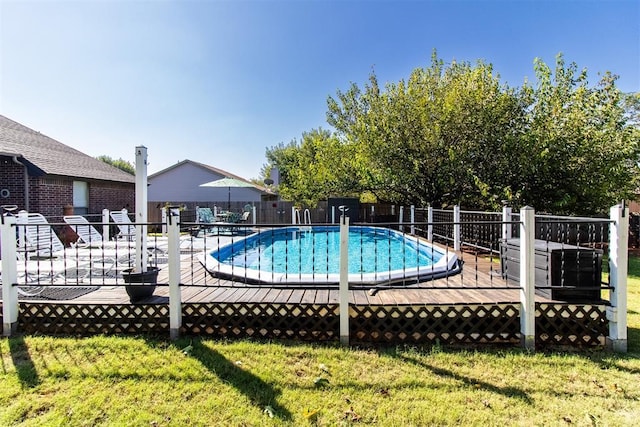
[220,81]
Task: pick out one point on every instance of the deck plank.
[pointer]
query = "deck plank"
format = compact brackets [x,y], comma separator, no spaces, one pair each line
[206,288]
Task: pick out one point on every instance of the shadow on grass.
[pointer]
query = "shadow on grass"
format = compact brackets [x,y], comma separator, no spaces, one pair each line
[468,381]
[261,394]
[26,370]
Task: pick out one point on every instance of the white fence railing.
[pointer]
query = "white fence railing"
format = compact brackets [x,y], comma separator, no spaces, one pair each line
[449,225]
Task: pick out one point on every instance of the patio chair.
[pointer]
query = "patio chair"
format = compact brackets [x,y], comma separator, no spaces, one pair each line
[205,219]
[157,248]
[87,233]
[89,236]
[127,229]
[41,254]
[40,241]
[38,236]
[245,216]
[36,273]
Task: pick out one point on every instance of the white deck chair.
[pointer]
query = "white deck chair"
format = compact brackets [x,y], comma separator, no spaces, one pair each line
[38,235]
[35,274]
[40,241]
[127,229]
[89,236]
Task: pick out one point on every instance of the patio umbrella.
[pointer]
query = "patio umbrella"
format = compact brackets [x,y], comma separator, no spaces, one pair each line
[229,183]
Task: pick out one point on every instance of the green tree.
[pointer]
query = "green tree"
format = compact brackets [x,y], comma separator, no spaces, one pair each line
[120,164]
[582,146]
[444,136]
[454,134]
[317,167]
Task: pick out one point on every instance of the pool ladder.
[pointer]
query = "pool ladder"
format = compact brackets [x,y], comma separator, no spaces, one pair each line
[306,216]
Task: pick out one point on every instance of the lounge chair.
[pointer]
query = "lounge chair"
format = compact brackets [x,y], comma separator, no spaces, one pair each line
[35,273]
[89,236]
[37,236]
[41,254]
[40,241]
[126,227]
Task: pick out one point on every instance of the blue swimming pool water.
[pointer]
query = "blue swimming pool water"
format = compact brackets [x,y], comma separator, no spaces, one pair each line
[311,254]
[316,251]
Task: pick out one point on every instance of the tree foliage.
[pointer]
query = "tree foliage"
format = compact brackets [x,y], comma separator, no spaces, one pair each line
[582,149]
[454,134]
[317,167]
[120,164]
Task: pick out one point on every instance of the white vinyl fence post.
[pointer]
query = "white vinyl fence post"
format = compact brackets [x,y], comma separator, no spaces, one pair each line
[333,214]
[9,275]
[618,258]
[344,280]
[401,218]
[22,218]
[413,220]
[164,220]
[527,278]
[456,228]
[293,215]
[175,297]
[141,209]
[105,225]
[254,212]
[506,226]
[430,221]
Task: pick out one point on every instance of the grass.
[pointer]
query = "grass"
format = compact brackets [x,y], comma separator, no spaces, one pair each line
[139,381]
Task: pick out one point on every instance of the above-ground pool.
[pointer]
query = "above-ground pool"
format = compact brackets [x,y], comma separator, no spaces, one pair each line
[301,255]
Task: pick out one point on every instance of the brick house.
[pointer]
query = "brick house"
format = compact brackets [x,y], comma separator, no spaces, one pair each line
[40,174]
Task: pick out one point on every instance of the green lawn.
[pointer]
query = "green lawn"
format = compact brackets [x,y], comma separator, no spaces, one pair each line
[151,382]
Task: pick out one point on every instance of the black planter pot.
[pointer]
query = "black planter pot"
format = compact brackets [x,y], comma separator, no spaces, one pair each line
[142,284]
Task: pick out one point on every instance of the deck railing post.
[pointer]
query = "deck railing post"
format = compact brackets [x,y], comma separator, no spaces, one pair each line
[618,258]
[343,298]
[22,218]
[456,228]
[527,278]
[141,208]
[9,275]
[506,219]
[164,220]
[430,221]
[175,297]
[413,220]
[105,225]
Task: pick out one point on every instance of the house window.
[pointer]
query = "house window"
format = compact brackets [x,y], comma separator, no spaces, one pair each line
[80,198]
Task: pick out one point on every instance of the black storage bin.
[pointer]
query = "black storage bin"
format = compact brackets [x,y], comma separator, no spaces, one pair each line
[559,266]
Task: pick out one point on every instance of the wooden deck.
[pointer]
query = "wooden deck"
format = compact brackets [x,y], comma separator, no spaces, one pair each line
[479,283]
[475,307]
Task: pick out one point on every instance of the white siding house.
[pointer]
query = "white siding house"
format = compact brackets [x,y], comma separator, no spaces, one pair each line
[181,183]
